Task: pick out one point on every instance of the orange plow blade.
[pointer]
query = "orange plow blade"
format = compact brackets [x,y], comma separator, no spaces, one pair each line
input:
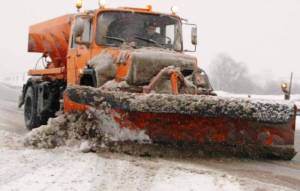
[214,125]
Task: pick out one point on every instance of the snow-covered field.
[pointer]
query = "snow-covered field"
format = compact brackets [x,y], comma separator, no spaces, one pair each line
[295,97]
[65,168]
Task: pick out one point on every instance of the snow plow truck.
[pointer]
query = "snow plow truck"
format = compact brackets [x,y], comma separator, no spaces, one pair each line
[134,60]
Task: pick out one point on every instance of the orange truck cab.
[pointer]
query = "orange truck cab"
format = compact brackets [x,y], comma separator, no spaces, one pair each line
[90,48]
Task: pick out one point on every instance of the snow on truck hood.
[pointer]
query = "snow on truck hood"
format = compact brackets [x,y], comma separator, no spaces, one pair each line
[150,61]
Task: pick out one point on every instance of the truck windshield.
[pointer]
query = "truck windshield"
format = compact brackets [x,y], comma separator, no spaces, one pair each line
[144,30]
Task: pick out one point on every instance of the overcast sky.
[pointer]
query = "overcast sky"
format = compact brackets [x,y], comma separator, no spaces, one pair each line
[265,34]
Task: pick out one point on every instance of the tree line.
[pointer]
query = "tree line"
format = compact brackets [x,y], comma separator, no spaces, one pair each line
[227,74]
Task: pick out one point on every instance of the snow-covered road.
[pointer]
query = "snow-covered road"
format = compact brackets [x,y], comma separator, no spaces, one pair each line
[68,169]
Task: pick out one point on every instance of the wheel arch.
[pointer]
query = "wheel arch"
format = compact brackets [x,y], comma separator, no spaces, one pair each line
[31,82]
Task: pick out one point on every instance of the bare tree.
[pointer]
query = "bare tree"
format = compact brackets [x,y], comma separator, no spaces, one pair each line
[229,75]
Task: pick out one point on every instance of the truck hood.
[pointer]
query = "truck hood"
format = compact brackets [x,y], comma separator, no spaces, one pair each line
[147,62]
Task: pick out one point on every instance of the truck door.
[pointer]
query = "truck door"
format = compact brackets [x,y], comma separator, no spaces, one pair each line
[79,52]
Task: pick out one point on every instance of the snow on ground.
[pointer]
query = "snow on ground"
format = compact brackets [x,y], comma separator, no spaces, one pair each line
[65,168]
[69,170]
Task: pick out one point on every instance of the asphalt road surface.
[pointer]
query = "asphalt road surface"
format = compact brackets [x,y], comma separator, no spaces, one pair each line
[64,168]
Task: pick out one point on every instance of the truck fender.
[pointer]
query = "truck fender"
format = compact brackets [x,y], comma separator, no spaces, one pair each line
[31,82]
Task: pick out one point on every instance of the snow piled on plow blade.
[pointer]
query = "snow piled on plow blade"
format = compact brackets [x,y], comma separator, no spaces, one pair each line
[208,106]
[92,127]
[113,131]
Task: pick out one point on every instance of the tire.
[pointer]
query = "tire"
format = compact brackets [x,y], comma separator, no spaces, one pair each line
[30,110]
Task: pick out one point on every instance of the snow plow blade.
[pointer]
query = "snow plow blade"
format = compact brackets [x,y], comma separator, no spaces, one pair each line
[217,126]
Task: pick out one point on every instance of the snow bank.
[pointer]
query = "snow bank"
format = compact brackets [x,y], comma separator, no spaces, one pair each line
[295,97]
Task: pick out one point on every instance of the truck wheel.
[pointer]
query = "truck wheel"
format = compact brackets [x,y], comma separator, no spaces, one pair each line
[30,110]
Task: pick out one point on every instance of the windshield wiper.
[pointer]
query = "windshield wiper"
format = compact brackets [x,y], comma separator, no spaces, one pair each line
[114,38]
[149,40]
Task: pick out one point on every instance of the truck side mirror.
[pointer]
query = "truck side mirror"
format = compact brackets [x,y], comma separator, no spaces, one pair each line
[194,36]
[190,43]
